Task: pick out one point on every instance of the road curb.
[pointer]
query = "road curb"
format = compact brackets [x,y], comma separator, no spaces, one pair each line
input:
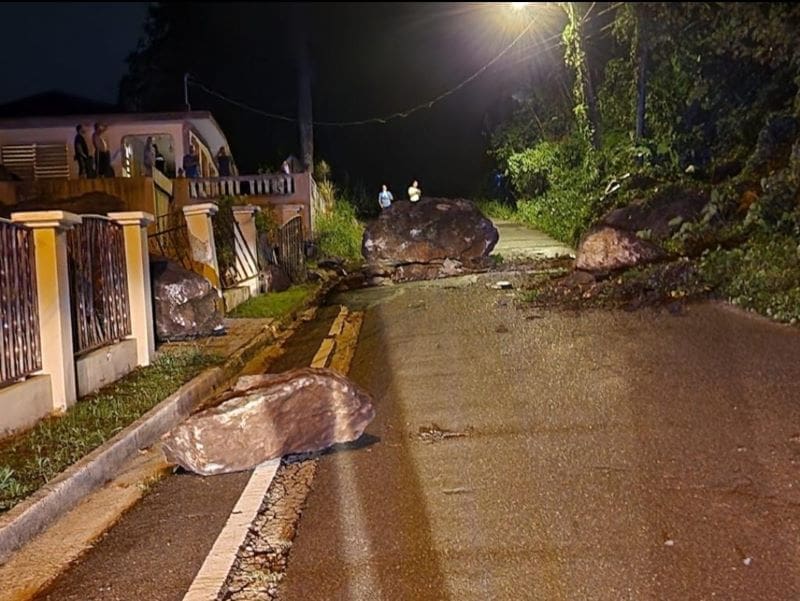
[33,515]
[65,491]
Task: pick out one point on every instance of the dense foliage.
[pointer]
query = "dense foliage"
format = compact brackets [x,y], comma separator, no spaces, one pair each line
[690,96]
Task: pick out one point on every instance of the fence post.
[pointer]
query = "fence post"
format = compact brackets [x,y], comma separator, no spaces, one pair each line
[137,263]
[201,239]
[55,315]
[246,246]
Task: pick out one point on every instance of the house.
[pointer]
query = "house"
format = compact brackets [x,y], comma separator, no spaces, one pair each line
[38,148]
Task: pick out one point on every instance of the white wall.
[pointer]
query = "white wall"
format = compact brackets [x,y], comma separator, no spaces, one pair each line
[115,133]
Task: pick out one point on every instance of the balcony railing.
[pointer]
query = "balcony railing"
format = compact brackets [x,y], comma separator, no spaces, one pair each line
[274,184]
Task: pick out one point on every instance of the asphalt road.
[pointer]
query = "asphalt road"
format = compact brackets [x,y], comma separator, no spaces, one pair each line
[605,456]
[154,552]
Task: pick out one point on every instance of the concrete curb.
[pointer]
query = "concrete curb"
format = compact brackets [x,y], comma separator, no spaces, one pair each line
[33,515]
[66,490]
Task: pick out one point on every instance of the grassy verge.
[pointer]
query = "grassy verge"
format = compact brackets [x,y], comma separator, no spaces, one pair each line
[276,305]
[30,459]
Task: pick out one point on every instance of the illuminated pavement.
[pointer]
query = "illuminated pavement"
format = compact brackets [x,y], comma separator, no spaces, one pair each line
[608,456]
[519,242]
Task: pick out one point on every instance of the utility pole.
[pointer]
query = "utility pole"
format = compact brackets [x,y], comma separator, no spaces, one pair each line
[300,29]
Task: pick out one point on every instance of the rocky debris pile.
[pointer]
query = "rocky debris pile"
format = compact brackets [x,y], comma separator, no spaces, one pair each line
[665,284]
[435,237]
[185,304]
[269,416]
[631,235]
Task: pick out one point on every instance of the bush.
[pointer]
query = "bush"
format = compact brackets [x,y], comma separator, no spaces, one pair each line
[762,275]
[558,188]
[339,233]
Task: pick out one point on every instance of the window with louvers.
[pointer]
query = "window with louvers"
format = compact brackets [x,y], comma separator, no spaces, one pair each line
[36,161]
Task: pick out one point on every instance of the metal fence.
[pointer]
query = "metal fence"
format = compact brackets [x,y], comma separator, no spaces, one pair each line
[234,267]
[98,283]
[291,249]
[20,345]
[171,239]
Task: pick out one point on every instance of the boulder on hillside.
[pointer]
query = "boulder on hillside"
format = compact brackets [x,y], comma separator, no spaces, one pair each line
[629,236]
[185,304]
[605,248]
[429,232]
[268,416]
[661,215]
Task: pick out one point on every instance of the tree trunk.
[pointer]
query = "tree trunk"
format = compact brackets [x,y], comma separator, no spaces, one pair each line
[641,87]
[576,56]
[301,27]
[591,105]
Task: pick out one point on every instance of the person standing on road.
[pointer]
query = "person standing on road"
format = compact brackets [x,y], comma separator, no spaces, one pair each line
[414,193]
[385,198]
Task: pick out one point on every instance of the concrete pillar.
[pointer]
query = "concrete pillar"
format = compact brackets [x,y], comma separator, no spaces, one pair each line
[201,238]
[137,261]
[55,315]
[246,245]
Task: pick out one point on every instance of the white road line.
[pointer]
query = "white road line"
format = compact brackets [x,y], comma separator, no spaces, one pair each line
[217,565]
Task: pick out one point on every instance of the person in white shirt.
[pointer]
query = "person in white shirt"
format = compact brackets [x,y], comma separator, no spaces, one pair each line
[414,193]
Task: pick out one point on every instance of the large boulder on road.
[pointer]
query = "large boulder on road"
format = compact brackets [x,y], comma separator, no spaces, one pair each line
[268,416]
[429,231]
[185,304]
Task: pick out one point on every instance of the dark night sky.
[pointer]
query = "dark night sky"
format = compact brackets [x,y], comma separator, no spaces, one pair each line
[79,48]
[370,59]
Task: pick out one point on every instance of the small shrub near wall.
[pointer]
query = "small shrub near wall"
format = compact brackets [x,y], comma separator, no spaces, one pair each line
[339,233]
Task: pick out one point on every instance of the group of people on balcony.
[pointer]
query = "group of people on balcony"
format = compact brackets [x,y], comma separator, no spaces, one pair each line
[191,163]
[96,163]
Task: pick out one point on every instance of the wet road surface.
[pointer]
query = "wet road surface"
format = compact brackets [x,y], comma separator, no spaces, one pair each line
[592,456]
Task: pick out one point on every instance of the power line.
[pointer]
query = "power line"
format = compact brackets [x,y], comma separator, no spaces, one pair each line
[382,120]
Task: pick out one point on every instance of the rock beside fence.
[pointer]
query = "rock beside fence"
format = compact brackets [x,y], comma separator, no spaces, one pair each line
[185,304]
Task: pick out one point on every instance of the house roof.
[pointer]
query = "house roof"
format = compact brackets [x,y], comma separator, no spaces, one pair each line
[53,103]
[202,122]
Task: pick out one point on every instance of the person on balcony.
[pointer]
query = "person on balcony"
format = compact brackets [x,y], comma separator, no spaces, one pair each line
[102,155]
[191,162]
[223,162]
[149,157]
[82,155]
[161,162]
